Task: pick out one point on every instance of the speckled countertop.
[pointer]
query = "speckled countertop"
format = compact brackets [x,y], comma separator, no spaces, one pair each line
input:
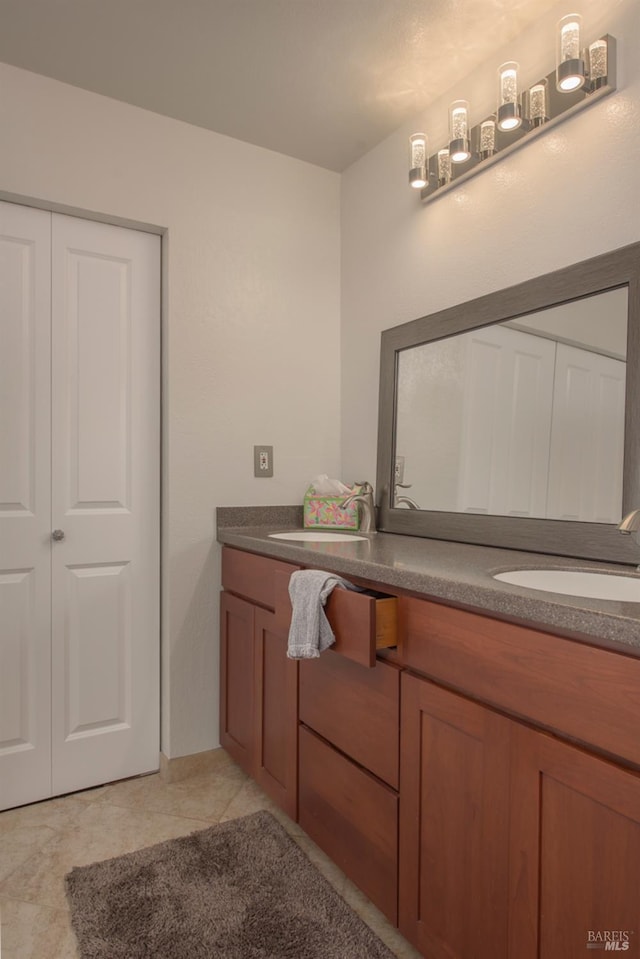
[454,573]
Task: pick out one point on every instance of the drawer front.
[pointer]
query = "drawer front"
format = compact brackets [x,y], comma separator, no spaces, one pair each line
[588,694]
[352,817]
[361,623]
[252,576]
[356,709]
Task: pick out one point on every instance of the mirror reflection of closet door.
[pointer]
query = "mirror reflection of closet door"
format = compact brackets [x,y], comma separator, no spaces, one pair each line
[587,437]
[79,488]
[506,422]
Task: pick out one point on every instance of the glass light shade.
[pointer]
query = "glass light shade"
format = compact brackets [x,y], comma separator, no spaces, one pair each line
[459,148]
[509,113]
[444,167]
[487,138]
[570,70]
[418,160]
[538,109]
[598,63]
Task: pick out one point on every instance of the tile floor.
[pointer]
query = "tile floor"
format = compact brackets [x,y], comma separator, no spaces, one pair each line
[39,844]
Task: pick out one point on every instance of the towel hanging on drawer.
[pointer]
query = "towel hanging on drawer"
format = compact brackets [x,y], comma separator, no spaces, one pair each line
[310,632]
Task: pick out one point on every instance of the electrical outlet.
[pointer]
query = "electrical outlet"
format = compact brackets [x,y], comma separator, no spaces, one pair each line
[399,469]
[263,461]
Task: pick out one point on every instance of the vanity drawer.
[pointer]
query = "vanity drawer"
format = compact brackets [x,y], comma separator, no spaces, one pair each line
[361,622]
[356,709]
[353,817]
[252,576]
[576,690]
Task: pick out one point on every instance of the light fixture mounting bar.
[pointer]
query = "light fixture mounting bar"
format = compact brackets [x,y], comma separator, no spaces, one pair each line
[561,105]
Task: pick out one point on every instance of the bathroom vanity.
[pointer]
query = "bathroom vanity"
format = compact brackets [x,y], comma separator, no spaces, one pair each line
[468,752]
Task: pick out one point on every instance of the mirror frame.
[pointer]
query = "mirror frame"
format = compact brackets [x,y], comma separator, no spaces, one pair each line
[599,541]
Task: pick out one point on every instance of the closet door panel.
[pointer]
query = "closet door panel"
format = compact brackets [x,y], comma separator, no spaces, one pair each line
[504,449]
[105,458]
[587,440]
[97,424]
[25,506]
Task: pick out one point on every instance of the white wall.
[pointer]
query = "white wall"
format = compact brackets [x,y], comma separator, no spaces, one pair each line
[251,335]
[571,194]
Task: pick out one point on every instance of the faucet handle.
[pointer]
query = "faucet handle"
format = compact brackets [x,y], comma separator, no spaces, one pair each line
[365,486]
[631,522]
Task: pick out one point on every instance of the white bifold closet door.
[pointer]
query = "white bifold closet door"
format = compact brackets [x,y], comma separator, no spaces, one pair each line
[79,503]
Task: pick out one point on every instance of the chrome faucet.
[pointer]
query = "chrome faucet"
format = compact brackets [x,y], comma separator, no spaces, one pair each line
[366,507]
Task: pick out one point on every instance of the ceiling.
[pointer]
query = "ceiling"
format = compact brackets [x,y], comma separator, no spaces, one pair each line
[320,80]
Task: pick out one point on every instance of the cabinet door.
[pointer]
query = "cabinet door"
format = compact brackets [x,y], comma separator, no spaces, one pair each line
[237,680]
[276,717]
[575,851]
[454,801]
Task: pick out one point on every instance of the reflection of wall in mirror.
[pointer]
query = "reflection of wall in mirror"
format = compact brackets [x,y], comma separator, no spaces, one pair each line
[596,322]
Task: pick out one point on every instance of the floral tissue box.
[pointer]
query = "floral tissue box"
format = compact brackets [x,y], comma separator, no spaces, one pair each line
[327,512]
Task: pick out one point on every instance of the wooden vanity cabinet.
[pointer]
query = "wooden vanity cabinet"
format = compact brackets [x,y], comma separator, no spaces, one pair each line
[337,773]
[483,788]
[515,843]
[259,685]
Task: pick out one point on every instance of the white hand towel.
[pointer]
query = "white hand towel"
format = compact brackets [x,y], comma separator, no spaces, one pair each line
[310,632]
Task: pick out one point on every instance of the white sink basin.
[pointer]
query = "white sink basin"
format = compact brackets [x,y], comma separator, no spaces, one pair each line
[317,536]
[577,582]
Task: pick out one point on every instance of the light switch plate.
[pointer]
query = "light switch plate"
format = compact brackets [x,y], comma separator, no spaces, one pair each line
[263,461]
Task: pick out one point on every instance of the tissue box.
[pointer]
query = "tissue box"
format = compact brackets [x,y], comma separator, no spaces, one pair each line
[326,511]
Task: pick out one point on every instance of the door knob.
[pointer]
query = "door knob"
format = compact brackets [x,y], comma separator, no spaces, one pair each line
[58,535]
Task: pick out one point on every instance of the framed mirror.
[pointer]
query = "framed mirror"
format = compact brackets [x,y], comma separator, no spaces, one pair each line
[513,420]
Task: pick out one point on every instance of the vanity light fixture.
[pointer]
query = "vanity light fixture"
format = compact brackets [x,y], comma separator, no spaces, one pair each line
[459,149]
[487,138]
[444,167]
[582,76]
[418,176]
[509,111]
[570,66]
[538,111]
[598,71]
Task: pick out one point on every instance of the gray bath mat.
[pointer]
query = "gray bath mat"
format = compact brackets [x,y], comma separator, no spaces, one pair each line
[239,890]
